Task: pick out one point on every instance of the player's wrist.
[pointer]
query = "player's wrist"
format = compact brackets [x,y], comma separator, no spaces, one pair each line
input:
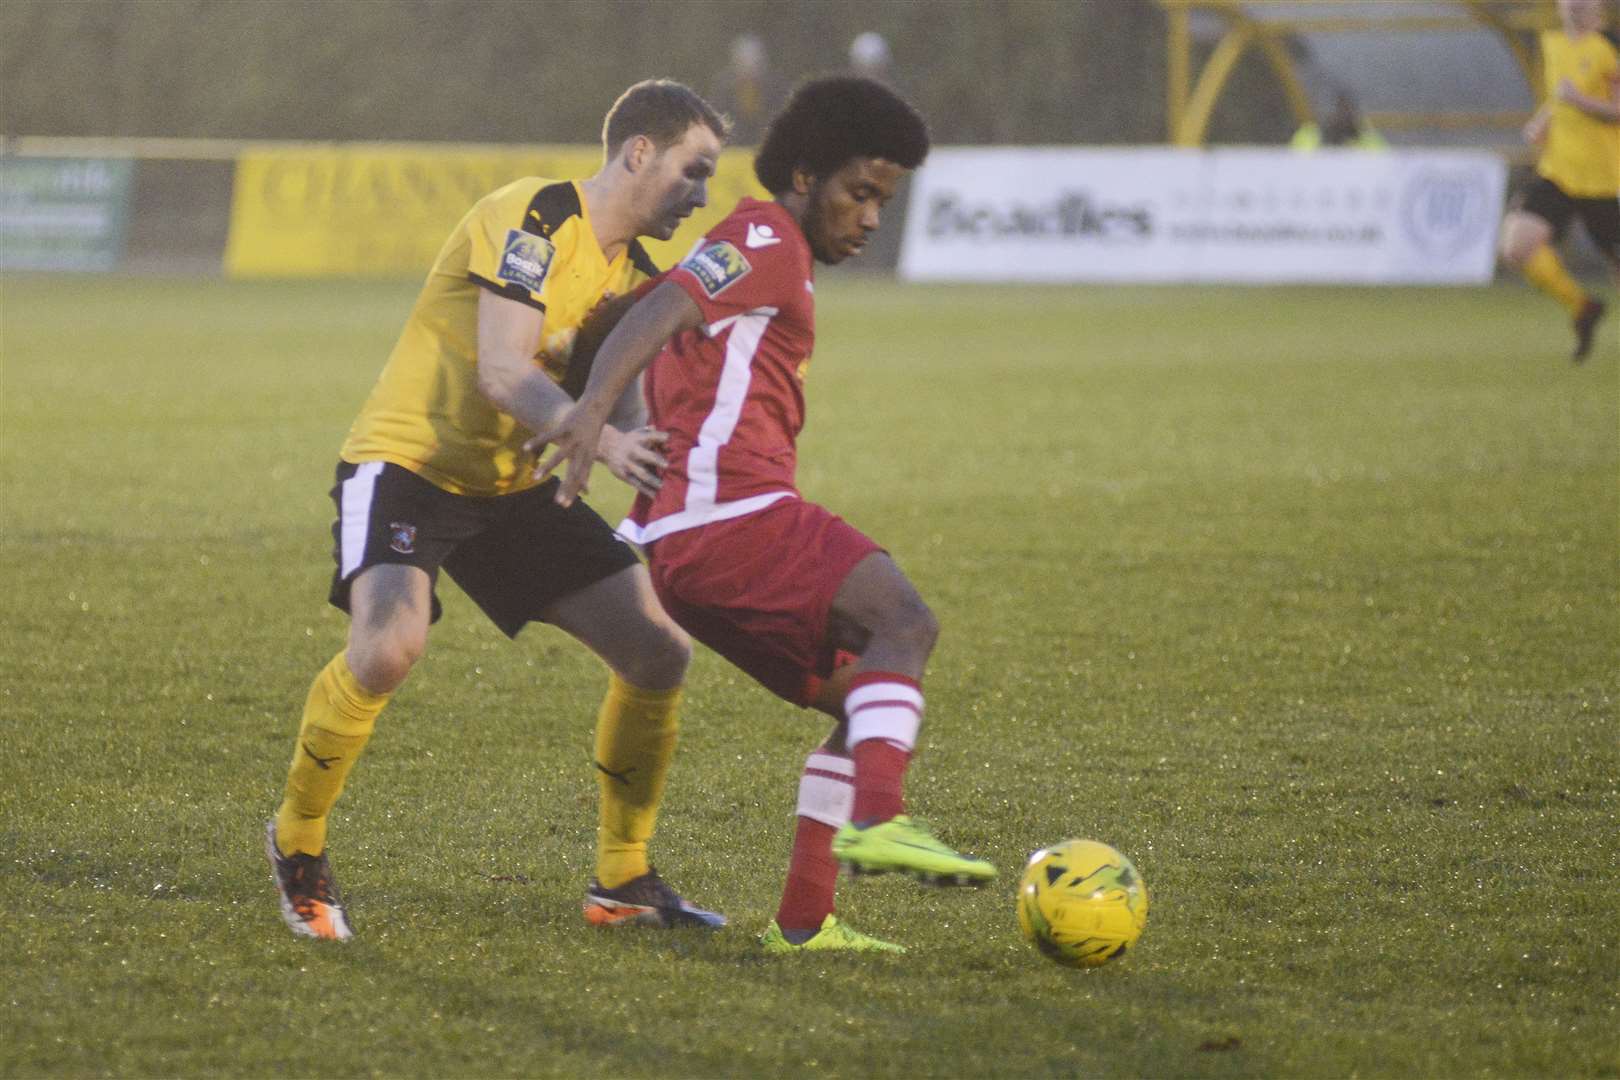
[607,440]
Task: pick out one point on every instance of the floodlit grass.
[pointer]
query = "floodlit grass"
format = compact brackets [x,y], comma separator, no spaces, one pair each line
[1308,600]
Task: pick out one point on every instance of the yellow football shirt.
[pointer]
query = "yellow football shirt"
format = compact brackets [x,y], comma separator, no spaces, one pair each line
[530,241]
[1582,154]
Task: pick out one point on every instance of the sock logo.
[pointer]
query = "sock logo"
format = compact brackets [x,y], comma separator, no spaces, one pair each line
[323,762]
[621,777]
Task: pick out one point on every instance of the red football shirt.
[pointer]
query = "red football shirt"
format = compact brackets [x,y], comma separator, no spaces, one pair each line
[730,393]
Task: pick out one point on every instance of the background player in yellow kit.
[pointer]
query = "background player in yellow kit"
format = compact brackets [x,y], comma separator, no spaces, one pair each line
[433,475]
[1578,172]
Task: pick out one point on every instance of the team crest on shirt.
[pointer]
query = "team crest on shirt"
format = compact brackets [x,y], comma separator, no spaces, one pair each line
[402,537]
[717,266]
[526,259]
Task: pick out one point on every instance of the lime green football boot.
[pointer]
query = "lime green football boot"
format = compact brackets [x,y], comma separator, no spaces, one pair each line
[906,845]
[833,936]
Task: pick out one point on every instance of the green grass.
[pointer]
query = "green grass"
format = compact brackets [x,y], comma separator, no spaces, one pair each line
[1308,600]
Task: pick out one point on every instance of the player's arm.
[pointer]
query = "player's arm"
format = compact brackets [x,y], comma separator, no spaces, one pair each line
[1607,110]
[508,377]
[665,312]
[1535,128]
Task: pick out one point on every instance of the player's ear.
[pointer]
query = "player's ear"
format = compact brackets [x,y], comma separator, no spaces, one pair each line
[803,181]
[638,150]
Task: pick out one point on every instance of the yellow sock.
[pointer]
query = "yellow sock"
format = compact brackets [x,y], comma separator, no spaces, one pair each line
[338,718]
[635,742]
[1547,273]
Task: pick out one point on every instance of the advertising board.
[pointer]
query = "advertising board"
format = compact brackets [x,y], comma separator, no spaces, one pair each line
[63,213]
[361,211]
[1171,215]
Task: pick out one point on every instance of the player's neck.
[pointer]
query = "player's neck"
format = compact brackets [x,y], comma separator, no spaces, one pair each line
[607,207]
[796,203]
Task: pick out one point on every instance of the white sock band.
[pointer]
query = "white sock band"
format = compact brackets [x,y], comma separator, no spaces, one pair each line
[891,711]
[827,789]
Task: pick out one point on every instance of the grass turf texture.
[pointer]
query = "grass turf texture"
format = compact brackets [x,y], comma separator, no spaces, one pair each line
[1304,599]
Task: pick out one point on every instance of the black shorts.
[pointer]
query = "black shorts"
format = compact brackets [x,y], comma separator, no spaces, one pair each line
[513,554]
[1601,217]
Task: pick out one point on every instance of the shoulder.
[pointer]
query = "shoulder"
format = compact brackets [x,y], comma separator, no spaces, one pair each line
[532,204]
[552,206]
[763,229]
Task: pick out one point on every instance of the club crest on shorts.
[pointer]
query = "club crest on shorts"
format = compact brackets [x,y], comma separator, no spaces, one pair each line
[402,537]
[717,266]
[526,259]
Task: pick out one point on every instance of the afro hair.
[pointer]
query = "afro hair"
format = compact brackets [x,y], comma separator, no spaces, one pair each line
[831,121]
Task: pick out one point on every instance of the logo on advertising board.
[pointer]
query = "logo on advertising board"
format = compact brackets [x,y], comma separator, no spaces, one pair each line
[717,266]
[1445,211]
[526,259]
[1073,214]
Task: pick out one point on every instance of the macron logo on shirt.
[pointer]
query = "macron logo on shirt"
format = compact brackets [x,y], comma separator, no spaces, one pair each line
[761,236]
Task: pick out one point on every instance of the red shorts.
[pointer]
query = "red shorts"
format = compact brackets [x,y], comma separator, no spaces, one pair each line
[757,590]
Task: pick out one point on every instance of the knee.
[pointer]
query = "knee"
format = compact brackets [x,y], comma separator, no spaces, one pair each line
[914,623]
[1513,251]
[660,661]
[1518,242]
[381,662]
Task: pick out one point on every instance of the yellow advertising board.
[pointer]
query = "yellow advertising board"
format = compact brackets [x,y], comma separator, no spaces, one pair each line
[383,211]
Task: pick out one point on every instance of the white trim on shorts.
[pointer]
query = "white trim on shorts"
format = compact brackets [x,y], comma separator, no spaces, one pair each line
[355,516]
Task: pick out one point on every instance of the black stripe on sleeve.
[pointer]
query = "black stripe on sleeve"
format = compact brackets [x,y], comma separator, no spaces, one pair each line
[508,290]
[551,206]
[641,260]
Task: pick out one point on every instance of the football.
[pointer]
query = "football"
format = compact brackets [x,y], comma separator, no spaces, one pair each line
[1081,903]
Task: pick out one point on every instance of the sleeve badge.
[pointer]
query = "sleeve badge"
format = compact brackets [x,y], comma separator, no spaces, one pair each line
[717,266]
[526,259]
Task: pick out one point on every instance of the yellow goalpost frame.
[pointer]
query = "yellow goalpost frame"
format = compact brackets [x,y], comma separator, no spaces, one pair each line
[1191,100]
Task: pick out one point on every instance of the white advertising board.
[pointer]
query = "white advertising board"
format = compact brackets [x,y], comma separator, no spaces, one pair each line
[1049,214]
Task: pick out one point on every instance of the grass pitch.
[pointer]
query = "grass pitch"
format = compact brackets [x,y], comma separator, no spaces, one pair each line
[1308,600]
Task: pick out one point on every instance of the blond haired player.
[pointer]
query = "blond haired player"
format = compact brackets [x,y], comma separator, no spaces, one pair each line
[1578,172]
[433,475]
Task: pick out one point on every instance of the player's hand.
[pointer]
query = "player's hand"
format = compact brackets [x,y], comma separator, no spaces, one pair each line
[633,456]
[1567,93]
[574,439]
[1535,129]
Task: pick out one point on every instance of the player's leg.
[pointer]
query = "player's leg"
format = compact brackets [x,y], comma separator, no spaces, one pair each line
[1527,246]
[826,797]
[883,710]
[1530,233]
[620,620]
[387,633]
[883,705]
[391,529]
[566,567]
[1601,217]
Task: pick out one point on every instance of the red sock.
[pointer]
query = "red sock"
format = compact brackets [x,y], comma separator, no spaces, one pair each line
[880,772]
[807,898]
[883,710]
[825,796]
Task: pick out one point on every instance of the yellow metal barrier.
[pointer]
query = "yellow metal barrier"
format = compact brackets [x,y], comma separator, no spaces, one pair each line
[1191,102]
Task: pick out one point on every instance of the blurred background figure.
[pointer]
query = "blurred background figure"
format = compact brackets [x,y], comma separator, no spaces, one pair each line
[1576,132]
[869,56]
[1345,126]
[750,93]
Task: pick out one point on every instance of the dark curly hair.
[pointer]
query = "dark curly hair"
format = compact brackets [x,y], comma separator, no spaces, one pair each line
[830,121]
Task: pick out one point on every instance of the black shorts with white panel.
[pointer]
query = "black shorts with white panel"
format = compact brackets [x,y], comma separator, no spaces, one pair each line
[513,554]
